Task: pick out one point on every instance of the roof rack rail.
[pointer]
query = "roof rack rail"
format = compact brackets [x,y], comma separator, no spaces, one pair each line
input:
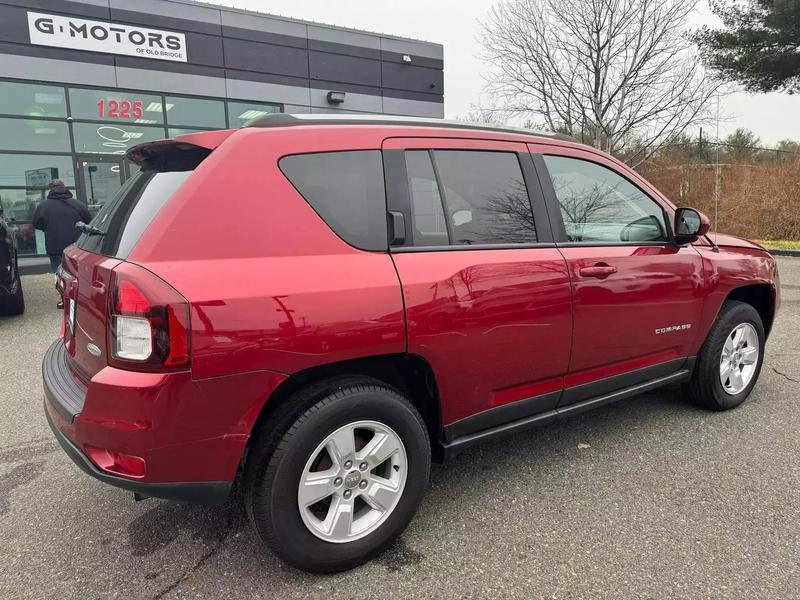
[288,120]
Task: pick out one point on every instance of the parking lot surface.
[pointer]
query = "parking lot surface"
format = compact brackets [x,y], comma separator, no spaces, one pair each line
[647,498]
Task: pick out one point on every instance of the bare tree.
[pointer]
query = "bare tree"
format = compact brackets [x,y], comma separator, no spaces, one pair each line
[620,74]
[478,113]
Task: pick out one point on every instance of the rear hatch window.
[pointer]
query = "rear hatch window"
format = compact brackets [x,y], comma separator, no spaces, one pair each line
[120,222]
[115,230]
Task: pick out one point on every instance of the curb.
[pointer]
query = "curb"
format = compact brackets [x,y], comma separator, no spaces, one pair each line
[776,252]
[34,269]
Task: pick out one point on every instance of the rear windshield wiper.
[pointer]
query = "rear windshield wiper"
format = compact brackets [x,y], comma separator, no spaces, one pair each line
[89,229]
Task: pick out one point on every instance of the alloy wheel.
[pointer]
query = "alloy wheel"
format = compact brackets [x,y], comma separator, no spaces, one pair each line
[737,364]
[352,482]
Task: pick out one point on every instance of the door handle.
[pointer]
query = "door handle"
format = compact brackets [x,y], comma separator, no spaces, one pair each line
[600,271]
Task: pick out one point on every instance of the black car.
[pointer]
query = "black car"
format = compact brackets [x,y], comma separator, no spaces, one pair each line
[11,299]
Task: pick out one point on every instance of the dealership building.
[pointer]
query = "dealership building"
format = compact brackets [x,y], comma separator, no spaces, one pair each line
[83,80]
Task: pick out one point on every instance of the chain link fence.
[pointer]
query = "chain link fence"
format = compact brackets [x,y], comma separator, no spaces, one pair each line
[749,191]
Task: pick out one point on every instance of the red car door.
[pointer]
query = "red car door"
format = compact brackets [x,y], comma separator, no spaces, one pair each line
[637,296]
[487,294]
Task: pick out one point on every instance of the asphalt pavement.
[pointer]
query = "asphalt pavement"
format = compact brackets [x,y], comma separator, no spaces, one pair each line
[647,498]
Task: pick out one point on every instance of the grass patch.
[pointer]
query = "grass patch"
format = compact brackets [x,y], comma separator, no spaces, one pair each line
[780,244]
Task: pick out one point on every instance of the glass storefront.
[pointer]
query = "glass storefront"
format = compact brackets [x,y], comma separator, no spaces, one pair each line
[175,131]
[34,134]
[240,113]
[80,135]
[192,111]
[20,170]
[111,138]
[115,105]
[32,100]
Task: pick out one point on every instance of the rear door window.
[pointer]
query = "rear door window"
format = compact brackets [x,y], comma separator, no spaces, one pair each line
[483,194]
[347,190]
[427,213]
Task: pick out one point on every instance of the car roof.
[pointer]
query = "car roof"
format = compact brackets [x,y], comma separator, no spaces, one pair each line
[288,120]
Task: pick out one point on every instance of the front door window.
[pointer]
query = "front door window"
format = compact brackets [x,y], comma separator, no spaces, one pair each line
[598,205]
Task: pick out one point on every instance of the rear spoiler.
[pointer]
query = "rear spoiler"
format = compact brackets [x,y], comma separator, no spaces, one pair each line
[187,149]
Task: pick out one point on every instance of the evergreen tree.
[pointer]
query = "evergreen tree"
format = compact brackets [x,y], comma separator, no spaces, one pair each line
[759,46]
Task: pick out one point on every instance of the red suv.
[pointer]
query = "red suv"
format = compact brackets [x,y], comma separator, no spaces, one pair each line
[314,308]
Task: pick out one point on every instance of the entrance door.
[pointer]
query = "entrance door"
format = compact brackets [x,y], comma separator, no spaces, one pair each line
[99,179]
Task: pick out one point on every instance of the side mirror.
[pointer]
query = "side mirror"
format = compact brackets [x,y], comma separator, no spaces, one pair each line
[690,224]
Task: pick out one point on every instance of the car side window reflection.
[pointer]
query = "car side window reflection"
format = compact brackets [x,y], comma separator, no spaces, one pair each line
[599,205]
[469,197]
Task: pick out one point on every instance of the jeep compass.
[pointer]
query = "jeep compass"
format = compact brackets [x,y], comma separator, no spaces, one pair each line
[392,291]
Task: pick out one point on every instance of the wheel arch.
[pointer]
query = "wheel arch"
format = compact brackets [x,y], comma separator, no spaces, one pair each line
[762,297]
[411,374]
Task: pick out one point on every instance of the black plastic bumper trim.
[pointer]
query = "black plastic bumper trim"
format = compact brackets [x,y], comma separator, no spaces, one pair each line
[62,390]
[448,449]
[514,411]
[201,492]
[607,385]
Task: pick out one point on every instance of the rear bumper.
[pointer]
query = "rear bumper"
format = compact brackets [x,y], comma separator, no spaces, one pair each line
[205,492]
[63,391]
[188,435]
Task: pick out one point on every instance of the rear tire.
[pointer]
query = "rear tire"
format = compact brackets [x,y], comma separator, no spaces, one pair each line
[293,450]
[730,360]
[13,304]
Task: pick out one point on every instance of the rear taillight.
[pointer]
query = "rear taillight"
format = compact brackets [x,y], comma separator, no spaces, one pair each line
[149,322]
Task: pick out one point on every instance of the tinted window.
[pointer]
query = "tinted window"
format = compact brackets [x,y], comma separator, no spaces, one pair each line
[598,205]
[112,138]
[346,189]
[427,213]
[485,198]
[32,100]
[124,219]
[240,113]
[35,170]
[194,111]
[116,106]
[19,204]
[34,134]
[176,131]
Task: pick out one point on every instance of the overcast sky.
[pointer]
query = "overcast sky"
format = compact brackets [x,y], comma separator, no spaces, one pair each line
[454,23]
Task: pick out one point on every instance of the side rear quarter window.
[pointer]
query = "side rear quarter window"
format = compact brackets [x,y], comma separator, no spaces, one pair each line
[347,190]
[598,204]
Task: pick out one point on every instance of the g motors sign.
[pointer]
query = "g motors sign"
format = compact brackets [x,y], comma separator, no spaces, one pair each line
[111,38]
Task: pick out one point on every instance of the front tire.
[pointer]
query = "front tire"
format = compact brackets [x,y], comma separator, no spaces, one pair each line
[730,360]
[337,474]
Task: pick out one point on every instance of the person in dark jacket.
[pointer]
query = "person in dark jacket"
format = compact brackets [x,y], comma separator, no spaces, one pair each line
[57,217]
